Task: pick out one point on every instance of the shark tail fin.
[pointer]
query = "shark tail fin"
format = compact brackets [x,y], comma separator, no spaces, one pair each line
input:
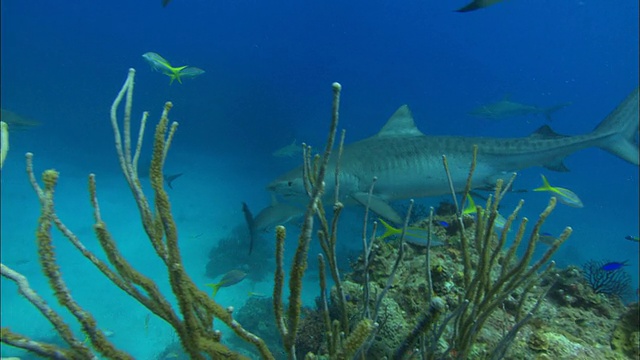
[618,132]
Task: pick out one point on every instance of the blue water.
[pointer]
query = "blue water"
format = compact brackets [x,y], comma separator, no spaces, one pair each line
[269,67]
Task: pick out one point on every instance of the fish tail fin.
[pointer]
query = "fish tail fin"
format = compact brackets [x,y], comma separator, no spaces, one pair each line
[545,185]
[169,179]
[471,206]
[215,287]
[388,230]
[618,132]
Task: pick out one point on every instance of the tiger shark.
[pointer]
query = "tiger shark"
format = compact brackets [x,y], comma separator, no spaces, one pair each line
[408,163]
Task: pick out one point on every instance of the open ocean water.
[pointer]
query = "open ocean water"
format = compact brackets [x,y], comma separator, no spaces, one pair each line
[267,82]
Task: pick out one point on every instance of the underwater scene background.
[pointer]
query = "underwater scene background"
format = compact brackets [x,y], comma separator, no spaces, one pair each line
[268,69]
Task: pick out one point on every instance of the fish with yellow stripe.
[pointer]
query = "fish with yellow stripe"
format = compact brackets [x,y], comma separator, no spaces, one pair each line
[413,235]
[564,196]
[158,63]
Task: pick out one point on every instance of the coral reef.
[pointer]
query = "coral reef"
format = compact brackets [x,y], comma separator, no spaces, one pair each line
[470,299]
[571,322]
[602,281]
[626,336]
[256,315]
[231,252]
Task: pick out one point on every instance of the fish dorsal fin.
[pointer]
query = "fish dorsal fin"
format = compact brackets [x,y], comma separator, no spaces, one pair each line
[400,124]
[546,132]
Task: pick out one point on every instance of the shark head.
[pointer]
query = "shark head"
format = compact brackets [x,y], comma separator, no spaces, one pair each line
[288,185]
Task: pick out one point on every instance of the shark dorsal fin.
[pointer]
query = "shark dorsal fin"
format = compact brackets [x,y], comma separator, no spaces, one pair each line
[546,132]
[400,124]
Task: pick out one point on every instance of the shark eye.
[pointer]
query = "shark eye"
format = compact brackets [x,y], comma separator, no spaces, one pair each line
[290,183]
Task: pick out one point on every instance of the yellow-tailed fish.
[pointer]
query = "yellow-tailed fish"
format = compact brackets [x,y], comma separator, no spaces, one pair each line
[470,209]
[158,63]
[632,238]
[4,142]
[413,235]
[565,196]
[230,278]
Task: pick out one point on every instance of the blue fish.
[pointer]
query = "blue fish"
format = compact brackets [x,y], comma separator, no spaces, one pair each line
[614,265]
[443,223]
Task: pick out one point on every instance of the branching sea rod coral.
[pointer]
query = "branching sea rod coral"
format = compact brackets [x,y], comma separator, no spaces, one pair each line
[196,310]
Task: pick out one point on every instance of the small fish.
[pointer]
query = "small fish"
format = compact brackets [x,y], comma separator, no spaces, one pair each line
[614,265]
[565,196]
[4,142]
[632,238]
[470,209]
[547,238]
[168,179]
[413,235]
[443,223]
[257,295]
[158,63]
[230,278]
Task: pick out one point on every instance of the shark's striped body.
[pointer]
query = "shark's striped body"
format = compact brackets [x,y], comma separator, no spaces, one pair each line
[408,163]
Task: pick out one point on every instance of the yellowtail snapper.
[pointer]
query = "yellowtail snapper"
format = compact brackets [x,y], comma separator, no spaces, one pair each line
[471,210]
[230,278]
[158,63]
[565,196]
[632,238]
[413,234]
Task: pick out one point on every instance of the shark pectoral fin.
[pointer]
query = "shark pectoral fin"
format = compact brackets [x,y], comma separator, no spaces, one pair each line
[557,165]
[378,206]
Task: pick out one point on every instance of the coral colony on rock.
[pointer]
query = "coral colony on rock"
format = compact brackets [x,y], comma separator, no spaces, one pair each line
[472,297]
